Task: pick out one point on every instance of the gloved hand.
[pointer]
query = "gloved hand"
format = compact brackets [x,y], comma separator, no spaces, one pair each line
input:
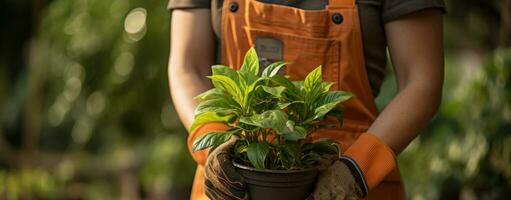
[222,182]
[361,168]
[336,183]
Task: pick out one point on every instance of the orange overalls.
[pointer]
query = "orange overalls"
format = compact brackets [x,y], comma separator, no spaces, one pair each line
[306,38]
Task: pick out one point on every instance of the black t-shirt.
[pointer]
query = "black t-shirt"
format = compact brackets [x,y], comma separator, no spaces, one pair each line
[373,15]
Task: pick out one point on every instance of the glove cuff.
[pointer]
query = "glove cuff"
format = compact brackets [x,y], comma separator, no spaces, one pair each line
[201,156]
[370,160]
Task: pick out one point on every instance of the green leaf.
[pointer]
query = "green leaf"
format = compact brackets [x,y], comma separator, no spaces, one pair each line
[291,90]
[273,69]
[250,63]
[282,105]
[275,119]
[257,153]
[299,85]
[293,133]
[338,113]
[209,117]
[211,139]
[211,94]
[310,159]
[275,91]
[278,121]
[240,147]
[228,85]
[313,79]
[321,111]
[247,77]
[253,86]
[225,71]
[313,86]
[319,150]
[290,125]
[219,105]
[290,154]
[321,147]
[282,81]
[326,85]
[334,96]
[328,102]
[248,93]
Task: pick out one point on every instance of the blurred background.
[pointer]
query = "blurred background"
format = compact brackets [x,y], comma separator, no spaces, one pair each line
[85,110]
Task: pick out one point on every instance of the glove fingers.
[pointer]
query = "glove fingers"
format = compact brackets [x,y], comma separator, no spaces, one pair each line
[220,171]
[219,192]
[326,161]
[214,193]
[329,187]
[233,176]
[222,179]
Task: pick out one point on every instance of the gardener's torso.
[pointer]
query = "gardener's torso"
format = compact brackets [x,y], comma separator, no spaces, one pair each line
[348,40]
[373,15]
[371,22]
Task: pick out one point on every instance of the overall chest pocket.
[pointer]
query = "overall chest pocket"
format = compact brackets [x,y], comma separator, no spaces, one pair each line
[303,53]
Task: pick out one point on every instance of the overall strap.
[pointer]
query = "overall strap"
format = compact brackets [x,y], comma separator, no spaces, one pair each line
[341,3]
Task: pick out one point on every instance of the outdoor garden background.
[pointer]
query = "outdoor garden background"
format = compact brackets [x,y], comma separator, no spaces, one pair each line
[85,111]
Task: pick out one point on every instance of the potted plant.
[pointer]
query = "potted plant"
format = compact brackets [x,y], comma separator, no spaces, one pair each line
[272,116]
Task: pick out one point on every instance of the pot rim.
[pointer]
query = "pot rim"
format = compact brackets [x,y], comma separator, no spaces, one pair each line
[273,171]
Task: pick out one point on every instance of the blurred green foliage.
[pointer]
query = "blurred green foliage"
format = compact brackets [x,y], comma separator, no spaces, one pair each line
[85,111]
[107,124]
[465,153]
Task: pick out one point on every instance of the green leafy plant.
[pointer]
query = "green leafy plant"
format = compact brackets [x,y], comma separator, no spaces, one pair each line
[271,115]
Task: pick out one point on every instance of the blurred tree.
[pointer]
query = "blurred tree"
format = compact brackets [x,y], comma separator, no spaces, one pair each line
[465,152]
[90,89]
[478,24]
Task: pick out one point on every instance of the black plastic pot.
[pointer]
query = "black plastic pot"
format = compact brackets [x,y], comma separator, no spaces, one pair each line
[265,184]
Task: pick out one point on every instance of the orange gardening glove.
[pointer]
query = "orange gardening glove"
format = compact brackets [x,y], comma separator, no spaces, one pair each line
[361,168]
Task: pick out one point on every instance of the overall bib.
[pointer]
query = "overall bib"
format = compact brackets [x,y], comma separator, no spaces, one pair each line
[308,38]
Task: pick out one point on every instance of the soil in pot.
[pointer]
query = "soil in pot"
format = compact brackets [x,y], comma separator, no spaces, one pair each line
[264,184]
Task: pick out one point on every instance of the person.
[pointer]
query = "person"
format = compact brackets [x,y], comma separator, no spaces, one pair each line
[349,39]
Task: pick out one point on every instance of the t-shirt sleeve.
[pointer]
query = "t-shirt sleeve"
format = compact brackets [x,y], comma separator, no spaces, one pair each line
[393,9]
[187,4]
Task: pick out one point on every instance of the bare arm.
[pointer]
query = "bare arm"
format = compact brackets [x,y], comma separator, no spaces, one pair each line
[192,52]
[416,48]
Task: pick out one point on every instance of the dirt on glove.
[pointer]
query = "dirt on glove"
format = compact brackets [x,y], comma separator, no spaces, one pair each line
[337,183]
[221,179]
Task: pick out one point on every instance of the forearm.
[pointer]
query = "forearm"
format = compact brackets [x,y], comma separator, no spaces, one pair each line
[184,86]
[373,154]
[191,55]
[416,49]
[407,114]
